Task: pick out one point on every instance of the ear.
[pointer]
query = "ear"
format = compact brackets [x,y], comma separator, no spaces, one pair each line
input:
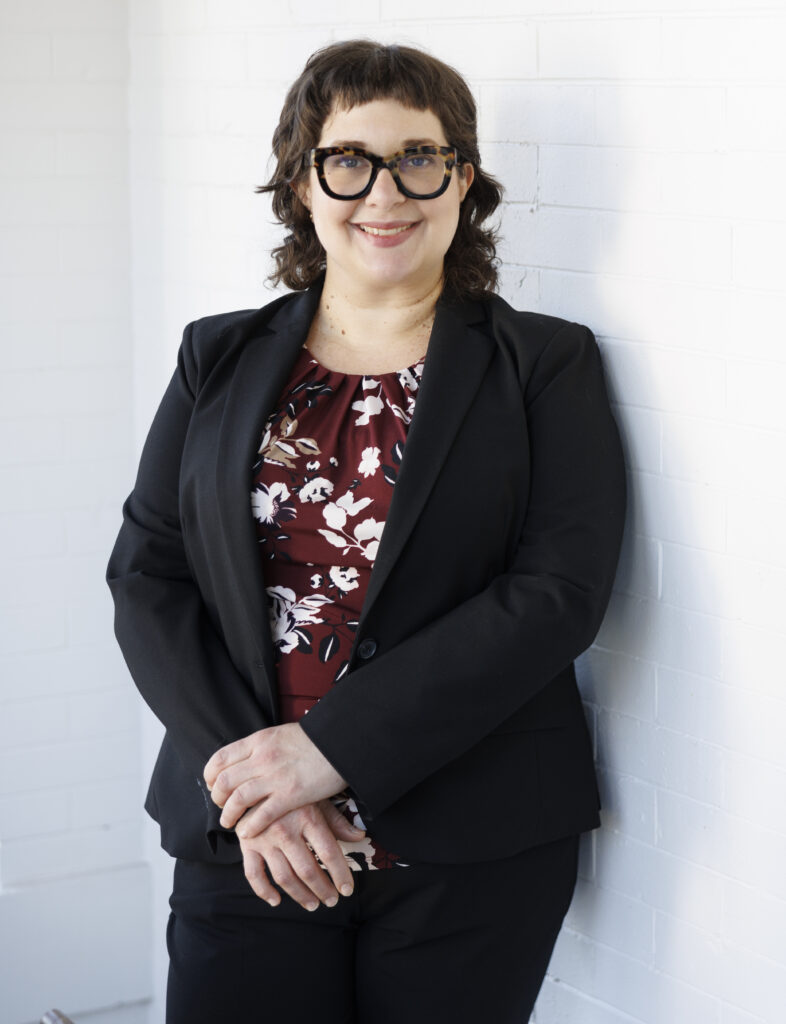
[302,190]
[465,178]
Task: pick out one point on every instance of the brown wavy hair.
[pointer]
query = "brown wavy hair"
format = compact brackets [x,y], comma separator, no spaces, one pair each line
[349,74]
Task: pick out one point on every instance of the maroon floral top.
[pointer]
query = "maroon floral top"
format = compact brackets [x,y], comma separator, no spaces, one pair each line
[323,480]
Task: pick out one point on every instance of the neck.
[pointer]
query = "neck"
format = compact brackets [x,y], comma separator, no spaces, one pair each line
[363,322]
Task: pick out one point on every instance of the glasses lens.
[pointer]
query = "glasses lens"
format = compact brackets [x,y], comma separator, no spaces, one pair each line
[421,173]
[347,174]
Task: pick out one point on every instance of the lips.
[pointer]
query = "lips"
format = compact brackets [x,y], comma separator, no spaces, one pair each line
[384,232]
[386,235]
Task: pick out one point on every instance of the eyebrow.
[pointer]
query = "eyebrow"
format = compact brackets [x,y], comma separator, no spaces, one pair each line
[406,144]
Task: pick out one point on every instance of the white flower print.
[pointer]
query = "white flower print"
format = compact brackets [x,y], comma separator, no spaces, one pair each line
[335,512]
[369,463]
[287,614]
[372,405]
[369,529]
[316,490]
[352,807]
[340,481]
[265,440]
[353,507]
[405,416]
[344,578]
[268,504]
[334,515]
[407,379]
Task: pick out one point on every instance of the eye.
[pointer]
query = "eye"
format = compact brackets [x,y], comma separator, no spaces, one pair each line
[417,163]
[349,163]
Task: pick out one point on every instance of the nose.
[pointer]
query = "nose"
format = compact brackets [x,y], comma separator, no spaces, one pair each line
[384,191]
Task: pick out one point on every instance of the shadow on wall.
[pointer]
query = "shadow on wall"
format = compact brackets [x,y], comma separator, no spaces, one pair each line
[576,246]
[664,721]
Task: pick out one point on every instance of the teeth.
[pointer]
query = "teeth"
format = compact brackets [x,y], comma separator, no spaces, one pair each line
[384,231]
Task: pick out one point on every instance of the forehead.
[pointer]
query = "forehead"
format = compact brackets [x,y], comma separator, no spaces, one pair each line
[384,123]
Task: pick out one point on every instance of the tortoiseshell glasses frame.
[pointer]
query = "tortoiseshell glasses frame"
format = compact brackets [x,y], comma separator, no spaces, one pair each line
[448,156]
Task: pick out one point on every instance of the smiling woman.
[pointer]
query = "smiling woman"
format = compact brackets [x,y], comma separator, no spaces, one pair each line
[375,521]
[381,238]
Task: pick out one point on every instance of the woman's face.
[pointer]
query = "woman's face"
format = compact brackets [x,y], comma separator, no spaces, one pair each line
[410,258]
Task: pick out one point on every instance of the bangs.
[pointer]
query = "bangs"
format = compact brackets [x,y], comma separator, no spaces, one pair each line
[382,72]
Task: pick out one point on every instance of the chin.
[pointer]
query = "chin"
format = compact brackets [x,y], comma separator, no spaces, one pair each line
[397,273]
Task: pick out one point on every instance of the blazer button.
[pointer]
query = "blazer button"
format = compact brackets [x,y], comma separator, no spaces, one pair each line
[367,648]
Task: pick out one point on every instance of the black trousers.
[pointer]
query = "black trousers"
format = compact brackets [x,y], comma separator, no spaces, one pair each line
[426,943]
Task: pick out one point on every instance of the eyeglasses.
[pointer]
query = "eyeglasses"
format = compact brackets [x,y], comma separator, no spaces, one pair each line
[420,172]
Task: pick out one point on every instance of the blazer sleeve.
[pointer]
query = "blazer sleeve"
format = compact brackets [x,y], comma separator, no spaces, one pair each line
[412,709]
[174,652]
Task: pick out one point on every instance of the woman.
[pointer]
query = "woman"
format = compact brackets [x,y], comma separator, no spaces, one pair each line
[376,764]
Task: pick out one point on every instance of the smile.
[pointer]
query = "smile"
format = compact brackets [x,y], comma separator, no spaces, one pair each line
[384,232]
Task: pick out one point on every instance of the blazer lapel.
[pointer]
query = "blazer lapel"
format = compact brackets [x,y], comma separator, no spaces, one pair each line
[261,372]
[456,360]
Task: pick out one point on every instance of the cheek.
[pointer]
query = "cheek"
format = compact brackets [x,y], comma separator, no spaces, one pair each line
[331,220]
[449,218]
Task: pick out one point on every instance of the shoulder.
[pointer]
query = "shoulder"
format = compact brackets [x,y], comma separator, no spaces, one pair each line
[540,345]
[524,327]
[211,336]
[212,340]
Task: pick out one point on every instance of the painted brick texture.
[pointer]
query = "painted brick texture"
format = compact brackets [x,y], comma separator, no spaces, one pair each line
[642,147]
[71,859]
[642,144]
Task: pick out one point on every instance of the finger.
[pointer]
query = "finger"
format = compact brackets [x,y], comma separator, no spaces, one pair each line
[223,758]
[231,778]
[246,795]
[226,756]
[305,866]
[264,814]
[246,827]
[287,877]
[254,868]
[326,847]
[341,827]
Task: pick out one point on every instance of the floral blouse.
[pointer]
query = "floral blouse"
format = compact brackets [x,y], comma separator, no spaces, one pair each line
[323,480]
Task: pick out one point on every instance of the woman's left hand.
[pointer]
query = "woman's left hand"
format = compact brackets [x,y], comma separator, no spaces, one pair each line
[278,769]
[287,853]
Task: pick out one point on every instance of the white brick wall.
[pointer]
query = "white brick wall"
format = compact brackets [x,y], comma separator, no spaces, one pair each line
[643,146]
[643,151]
[74,889]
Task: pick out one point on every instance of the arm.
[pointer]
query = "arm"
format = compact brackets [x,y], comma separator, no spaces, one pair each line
[183,669]
[176,657]
[440,691]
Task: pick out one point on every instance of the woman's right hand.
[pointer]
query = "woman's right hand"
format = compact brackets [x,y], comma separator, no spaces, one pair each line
[282,852]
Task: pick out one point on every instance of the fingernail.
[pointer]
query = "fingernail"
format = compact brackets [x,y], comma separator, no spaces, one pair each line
[274,902]
[311,906]
[346,890]
[243,834]
[331,901]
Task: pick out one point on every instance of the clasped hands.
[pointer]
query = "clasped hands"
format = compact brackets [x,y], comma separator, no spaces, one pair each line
[273,788]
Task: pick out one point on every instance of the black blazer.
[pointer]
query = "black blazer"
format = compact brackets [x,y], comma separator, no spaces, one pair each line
[458,726]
